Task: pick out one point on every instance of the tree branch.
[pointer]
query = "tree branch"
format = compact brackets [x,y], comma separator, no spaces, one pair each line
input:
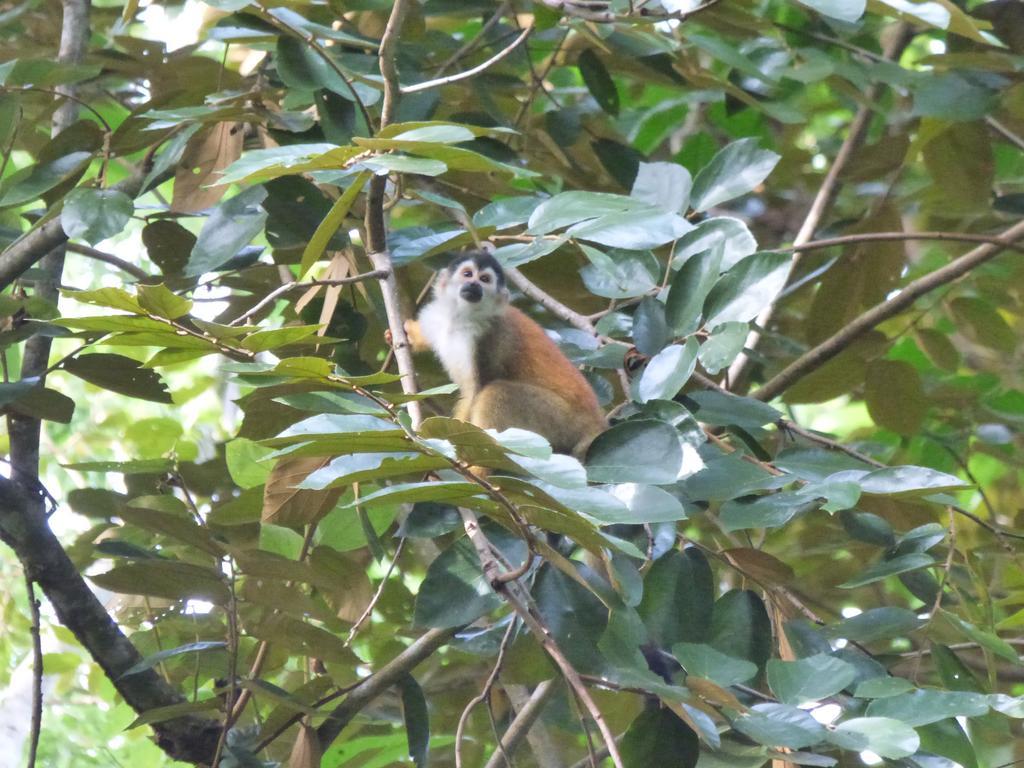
[825,197]
[111,259]
[524,720]
[379,682]
[832,346]
[376,274]
[512,592]
[875,237]
[376,229]
[24,529]
[549,302]
[472,71]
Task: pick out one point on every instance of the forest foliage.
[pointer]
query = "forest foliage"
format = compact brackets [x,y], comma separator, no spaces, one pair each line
[779,238]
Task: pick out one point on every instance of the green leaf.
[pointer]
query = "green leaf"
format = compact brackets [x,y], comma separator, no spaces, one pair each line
[29,399]
[895,396]
[385,164]
[843,10]
[729,235]
[658,737]
[876,624]
[909,481]
[301,67]
[568,208]
[95,214]
[232,225]
[454,591]
[723,346]
[264,164]
[165,578]
[689,291]
[330,224]
[119,374]
[780,725]
[647,504]
[663,185]
[262,341]
[668,371]
[886,568]
[769,511]
[598,81]
[153,659]
[160,301]
[635,230]
[723,409]
[807,680]
[249,463]
[678,598]
[925,706]
[987,640]
[640,451]
[650,331]
[885,736]
[740,627]
[416,717]
[882,687]
[747,288]
[735,170]
[33,182]
[619,274]
[704,661]
[948,739]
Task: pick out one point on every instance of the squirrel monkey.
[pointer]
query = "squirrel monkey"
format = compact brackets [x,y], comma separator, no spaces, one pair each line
[509,373]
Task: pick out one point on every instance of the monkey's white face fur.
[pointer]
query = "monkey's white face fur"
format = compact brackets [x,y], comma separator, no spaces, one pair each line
[466,300]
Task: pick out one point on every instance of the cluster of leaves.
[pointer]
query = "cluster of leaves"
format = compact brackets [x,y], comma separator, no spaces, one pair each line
[733,588]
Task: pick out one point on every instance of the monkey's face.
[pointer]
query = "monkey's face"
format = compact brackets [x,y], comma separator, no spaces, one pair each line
[474,286]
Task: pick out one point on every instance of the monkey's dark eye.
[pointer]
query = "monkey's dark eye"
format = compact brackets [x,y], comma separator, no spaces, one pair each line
[485,278]
[467,273]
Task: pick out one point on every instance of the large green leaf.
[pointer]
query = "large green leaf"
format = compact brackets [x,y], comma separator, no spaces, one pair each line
[843,10]
[95,214]
[926,706]
[678,598]
[668,371]
[689,290]
[780,725]
[885,736]
[740,627]
[641,451]
[232,225]
[702,660]
[454,591]
[664,185]
[119,374]
[658,737]
[735,170]
[598,81]
[31,183]
[747,288]
[812,679]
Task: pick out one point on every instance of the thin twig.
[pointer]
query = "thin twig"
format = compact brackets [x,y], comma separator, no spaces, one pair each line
[519,599]
[472,71]
[370,688]
[873,237]
[109,258]
[376,274]
[376,595]
[1005,132]
[37,673]
[311,41]
[470,45]
[522,723]
[485,693]
[832,346]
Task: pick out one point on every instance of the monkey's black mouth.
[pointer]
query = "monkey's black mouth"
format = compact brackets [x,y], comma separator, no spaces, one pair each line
[471,292]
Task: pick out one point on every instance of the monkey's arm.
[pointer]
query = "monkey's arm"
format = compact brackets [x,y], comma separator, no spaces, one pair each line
[417,340]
